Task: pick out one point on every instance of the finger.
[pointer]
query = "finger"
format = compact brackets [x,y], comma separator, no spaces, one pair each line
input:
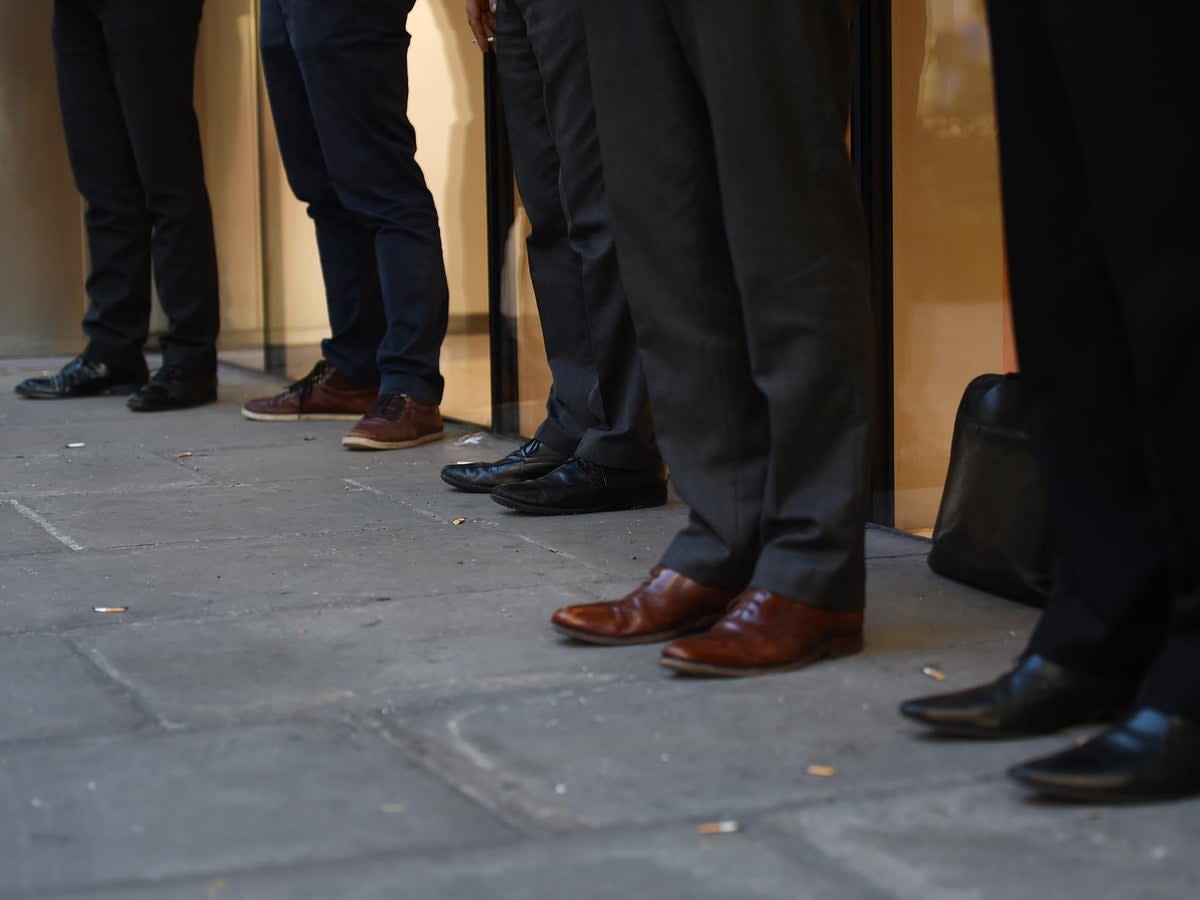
[481,36]
[489,24]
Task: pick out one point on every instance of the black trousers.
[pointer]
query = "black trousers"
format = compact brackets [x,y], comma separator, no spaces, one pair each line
[743,250]
[597,407]
[1099,115]
[125,75]
[337,77]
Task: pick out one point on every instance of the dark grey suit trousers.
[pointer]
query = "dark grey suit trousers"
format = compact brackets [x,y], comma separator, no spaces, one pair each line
[597,408]
[743,249]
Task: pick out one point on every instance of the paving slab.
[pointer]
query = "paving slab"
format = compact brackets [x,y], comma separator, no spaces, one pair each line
[63,416]
[209,580]
[620,543]
[55,417]
[91,470]
[21,535]
[314,450]
[72,696]
[990,842]
[324,688]
[910,609]
[199,514]
[371,655]
[668,864]
[81,814]
[689,748]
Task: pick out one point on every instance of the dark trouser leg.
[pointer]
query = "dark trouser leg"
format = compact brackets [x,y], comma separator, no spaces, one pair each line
[152,51]
[585,315]
[553,265]
[346,246]
[662,183]
[354,61]
[779,112]
[118,227]
[1101,240]
[743,251]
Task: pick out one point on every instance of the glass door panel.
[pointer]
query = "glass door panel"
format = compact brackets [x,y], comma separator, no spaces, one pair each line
[949,286]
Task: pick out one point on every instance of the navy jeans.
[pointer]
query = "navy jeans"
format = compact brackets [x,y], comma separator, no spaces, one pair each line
[337,77]
[125,75]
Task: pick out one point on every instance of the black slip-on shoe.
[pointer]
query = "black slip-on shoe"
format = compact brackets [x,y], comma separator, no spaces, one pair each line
[579,486]
[171,389]
[532,459]
[1147,756]
[81,378]
[1037,697]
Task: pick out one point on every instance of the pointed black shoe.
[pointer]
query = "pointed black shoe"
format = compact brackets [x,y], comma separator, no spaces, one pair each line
[171,389]
[1148,756]
[579,486]
[531,460]
[1037,697]
[80,378]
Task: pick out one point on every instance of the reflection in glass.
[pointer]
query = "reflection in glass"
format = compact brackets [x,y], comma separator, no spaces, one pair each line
[949,280]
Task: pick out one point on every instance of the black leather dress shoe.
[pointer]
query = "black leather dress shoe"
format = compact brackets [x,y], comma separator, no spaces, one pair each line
[171,389]
[579,486]
[1037,697]
[532,459]
[80,378]
[1147,756]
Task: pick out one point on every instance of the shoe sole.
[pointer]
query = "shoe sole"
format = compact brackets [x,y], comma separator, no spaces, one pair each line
[467,487]
[533,510]
[364,443]
[966,732]
[1063,794]
[657,638]
[302,417]
[116,390]
[981,734]
[832,649]
[169,407]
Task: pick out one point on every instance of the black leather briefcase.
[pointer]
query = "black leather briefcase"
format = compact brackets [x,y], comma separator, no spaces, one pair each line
[992,528]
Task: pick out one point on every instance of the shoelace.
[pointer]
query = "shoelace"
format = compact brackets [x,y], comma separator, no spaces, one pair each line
[302,388]
[389,406]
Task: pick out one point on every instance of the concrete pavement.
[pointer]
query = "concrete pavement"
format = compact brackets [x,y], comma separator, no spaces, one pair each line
[325,688]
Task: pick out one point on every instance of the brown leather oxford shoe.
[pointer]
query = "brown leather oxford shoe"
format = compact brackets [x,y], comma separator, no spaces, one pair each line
[665,606]
[764,633]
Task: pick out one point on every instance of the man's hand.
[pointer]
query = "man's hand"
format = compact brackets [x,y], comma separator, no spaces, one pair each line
[481,16]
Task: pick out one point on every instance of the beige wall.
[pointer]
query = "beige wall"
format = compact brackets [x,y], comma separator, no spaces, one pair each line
[227,107]
[949,281]
[41,232]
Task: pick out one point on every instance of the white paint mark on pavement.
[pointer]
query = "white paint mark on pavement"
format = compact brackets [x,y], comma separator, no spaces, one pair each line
[366,487]
[46,525]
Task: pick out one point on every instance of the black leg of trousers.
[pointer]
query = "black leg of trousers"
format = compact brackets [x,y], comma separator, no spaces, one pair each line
[353,58]
[743,248]
[345,244]
[1098,153]
[126,74]
[598,406]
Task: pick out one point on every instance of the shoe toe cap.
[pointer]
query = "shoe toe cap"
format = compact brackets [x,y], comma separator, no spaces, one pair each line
[922,710]
[689,650]
[591,618]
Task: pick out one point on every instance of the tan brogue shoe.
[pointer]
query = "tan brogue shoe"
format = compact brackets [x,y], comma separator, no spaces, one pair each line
[665,606]
[765,633]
